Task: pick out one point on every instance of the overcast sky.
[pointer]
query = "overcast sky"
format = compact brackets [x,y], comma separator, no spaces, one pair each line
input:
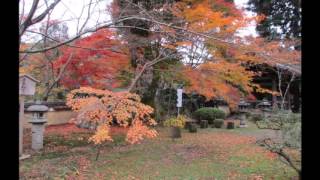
[251,29]
[69,11]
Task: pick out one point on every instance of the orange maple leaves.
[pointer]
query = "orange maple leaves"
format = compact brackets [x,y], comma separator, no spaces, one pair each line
[138,131]
[105,108]
[220,80]
[101,135]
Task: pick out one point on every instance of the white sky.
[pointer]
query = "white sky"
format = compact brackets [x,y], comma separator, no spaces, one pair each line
[251,29]
[70,10]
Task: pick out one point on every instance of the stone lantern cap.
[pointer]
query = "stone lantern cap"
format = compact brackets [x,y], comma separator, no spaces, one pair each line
[37,108]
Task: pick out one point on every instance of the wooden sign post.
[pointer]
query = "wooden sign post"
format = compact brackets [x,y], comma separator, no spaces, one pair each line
[27,85]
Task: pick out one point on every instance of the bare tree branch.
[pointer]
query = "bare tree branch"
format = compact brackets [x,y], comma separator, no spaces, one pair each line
[114,25]
[80,47]
[276,148]
[29,21]
[88,16]
[56,80]
[145,66]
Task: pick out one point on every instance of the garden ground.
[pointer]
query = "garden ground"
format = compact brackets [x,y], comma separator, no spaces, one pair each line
[208,154]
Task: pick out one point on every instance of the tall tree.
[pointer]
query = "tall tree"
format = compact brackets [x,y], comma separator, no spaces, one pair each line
[144,46]
[283,18]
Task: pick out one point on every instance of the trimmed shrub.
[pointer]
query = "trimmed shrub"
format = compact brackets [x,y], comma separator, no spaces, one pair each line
[204,124]
[192,128]
[209,113]
[218,123]
[230,125]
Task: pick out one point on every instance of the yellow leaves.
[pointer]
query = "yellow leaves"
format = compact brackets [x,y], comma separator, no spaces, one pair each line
[138,131]
[169,46]
[175,45]
[176,122]
[184,43]
[260,89]
[101,135]
[107,108]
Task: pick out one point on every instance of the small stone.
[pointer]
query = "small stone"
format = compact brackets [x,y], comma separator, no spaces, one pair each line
[24,156]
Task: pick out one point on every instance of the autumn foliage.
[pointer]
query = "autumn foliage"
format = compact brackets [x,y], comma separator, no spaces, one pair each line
[206,15]
[95,63]
[228,81]
[104,108]
[223,76]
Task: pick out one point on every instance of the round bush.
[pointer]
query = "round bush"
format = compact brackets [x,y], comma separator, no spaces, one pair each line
[230,125]
[203,124]
[209,113]
[192,128]
[218,123]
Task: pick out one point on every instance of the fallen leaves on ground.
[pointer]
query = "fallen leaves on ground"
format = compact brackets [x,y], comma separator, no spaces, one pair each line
[235,151]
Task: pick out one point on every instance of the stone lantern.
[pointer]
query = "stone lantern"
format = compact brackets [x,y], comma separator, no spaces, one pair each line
[38,120]
[243,118]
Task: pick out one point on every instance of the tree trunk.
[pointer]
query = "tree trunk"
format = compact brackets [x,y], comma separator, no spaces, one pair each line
[157,105]
[98,152]
[274,97]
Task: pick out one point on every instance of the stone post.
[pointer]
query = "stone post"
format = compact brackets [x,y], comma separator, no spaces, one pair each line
[37,136]
[243,119]
[37,122]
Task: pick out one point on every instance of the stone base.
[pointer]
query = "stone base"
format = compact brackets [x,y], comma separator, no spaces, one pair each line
[24,156]
[242,126]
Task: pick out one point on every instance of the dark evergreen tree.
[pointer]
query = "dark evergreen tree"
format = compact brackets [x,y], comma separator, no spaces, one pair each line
[283,18]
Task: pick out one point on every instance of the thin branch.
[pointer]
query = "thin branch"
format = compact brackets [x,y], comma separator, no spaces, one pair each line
[113,25]
[29,21]
[61,72]
[80,47]
[43,15]
[88,16]
[22,13]
[145,66]
[287,89]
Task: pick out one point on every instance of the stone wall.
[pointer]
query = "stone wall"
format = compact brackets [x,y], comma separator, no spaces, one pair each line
[53,117]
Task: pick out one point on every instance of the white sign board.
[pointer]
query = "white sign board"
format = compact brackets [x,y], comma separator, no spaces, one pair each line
[27,85]
[179,99]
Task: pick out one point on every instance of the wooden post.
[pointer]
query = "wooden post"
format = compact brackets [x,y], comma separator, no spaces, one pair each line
[21,114]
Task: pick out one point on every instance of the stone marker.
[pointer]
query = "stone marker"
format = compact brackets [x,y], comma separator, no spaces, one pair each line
[38,120]
[242,119]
